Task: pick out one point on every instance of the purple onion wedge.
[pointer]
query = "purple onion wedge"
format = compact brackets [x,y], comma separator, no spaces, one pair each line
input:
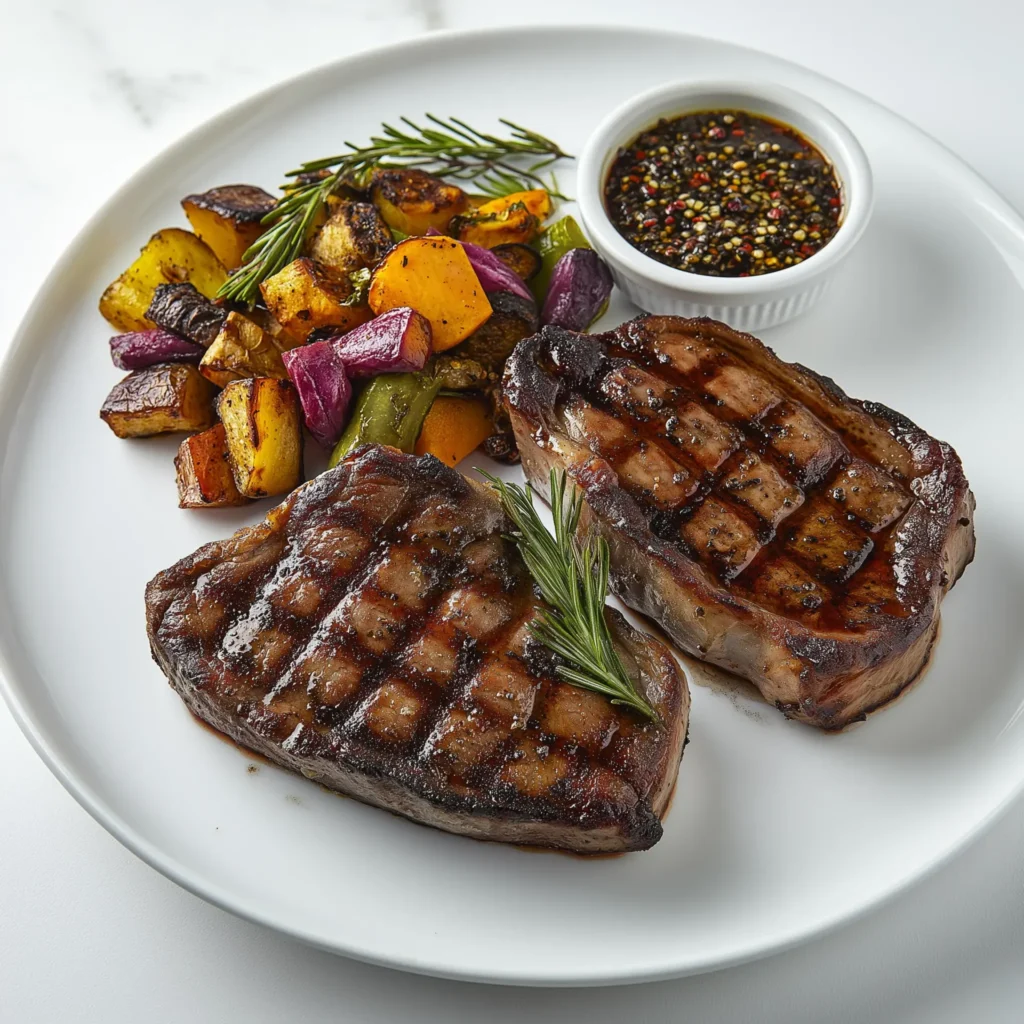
[319,376]
[139,349]
[494,275]
[397,341]
[578,292]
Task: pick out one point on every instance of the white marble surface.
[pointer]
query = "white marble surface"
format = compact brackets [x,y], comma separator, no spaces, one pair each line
[89,91]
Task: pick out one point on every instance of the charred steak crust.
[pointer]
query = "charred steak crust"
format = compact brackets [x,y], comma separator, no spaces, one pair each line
[371,634]
[771,524]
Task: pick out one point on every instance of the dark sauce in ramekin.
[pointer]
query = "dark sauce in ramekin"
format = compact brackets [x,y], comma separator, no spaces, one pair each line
[724,193]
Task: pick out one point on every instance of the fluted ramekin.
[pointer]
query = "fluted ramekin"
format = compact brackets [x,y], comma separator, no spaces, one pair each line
[746,303]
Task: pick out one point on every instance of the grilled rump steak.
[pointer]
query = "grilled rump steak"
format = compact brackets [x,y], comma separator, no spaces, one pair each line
[372,634]
[772,525]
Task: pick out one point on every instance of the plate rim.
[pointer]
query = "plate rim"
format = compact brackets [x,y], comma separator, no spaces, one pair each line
[17,356]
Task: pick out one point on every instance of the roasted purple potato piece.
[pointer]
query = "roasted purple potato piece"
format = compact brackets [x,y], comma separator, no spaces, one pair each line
[397,341]
[579,291]
[320,377]
[204,475]
[161,399]
[139,349]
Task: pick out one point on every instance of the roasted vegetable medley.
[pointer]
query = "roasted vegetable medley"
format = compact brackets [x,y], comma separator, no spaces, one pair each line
[391,325]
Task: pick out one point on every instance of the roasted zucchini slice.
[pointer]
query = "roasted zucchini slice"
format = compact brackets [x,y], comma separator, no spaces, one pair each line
[263,426]
[413,201]
[522,260]
[228,219]
[204,475]
[161,399]
[513,318]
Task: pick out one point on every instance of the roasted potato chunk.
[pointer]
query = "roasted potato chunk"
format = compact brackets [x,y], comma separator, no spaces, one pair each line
[170,256]
[161,399]
[263,426]
[413,201]
[243,349]
[228,218]
[305,296]
[354,236]
[204,475]
[433,275]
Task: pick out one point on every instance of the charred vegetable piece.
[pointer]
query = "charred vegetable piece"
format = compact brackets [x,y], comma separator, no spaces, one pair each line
[320,377]
[243,349]
[204,475]
[536,200]
[435,277]
[460,374]
[501,227]
[397,341]
[579,290]
[557,240]
[494,275]
[390,410]
[139,349]
[513,318]
[305,296]
[159,400]
[181,308]
[522,260]
[263,426]
[353,237]
[228,218]
[453,428]
[412,201]
[171,255]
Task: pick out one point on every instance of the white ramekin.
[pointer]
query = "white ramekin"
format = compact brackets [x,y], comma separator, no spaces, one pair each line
[746,303]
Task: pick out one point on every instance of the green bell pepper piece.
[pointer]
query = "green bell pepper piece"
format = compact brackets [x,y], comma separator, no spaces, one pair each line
[390,410]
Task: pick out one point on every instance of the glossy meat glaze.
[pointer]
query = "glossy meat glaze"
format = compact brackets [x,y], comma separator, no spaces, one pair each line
[372,634]
[772,525]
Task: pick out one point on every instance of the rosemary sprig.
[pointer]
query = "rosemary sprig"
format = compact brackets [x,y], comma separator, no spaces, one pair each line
[573,580]
[448,148]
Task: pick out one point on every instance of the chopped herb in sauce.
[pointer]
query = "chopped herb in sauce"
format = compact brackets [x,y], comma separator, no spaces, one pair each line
[724,193]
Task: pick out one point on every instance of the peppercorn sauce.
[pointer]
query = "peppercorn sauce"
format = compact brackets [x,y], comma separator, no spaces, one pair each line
[725,193]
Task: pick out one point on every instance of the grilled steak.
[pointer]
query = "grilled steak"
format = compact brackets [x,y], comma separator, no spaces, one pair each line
[772,525]
[372,634]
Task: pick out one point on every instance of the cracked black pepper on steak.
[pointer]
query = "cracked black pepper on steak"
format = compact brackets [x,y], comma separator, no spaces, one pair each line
[724,193]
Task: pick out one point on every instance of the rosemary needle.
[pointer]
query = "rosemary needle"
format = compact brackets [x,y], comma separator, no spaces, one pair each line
[573,580]
[492,164]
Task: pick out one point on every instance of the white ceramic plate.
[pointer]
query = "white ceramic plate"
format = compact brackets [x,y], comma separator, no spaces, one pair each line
[777,831]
